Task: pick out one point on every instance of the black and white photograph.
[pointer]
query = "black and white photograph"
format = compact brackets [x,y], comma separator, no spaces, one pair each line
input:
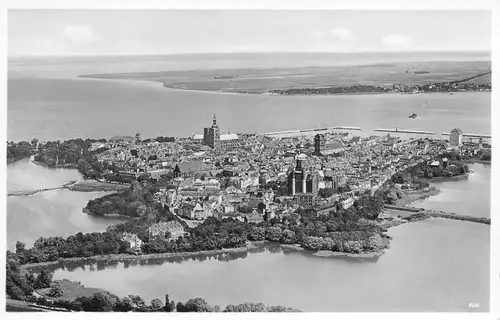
[249,159]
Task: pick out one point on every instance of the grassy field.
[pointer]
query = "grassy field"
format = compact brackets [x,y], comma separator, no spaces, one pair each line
[264,80]
[20,306]
[71,291]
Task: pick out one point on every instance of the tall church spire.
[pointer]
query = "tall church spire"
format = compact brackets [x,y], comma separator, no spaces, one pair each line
[214,120]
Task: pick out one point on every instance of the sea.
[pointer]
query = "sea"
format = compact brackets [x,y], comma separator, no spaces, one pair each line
[432,265]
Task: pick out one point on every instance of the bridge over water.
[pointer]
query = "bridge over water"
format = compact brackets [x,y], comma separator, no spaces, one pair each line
[30,192]
[440,214]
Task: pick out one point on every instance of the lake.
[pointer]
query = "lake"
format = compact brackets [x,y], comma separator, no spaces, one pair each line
[51,213]
[432,265]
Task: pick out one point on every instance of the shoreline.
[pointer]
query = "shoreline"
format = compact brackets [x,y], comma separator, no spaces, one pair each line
[266,93]
[408,198]
[87,211]
[58,166]
[363,255]
[14,159]
[123,256]
[477,161]
[447,179]
[248,248]
[96,186]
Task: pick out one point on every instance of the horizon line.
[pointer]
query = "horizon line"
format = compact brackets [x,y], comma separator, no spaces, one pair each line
[79,55]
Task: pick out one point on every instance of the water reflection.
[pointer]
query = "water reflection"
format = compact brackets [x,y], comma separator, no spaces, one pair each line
[274,249]
[99,265]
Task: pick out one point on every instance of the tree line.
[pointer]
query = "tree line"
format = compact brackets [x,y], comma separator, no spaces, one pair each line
[20,150]
[342,231]
[73,152]
[20,285]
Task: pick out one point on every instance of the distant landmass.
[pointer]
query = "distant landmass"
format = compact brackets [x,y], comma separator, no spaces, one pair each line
[374,78]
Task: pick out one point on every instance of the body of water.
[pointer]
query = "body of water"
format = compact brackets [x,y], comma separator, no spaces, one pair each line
[432,265]
[476,187]
[51,213]
[47,100]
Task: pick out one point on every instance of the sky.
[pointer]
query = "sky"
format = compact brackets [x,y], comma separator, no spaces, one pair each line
[111,32]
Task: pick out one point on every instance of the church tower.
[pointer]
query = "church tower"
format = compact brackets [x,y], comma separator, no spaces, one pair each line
[211,135]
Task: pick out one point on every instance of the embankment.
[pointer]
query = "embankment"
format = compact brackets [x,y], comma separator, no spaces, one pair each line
[57,166]
[411,196]
[92,185]
[444,179]
[121,257]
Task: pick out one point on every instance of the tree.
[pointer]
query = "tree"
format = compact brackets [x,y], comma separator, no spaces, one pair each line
[56,290]
[313,243]
[156,305]
[124,305]
[102,301]
[169,305]
[20,247]
[195,305]
[181,307]
[288,236]
[273,234]
[44,279]
[257,234]
[137,301]
[261,207]
[246,307]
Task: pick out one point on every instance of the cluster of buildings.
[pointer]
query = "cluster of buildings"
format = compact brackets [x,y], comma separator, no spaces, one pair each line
[266,177]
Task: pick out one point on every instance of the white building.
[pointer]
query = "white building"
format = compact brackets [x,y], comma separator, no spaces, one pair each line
[456,137]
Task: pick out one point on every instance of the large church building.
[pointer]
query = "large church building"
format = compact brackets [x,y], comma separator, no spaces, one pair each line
[302,180]
[211,135]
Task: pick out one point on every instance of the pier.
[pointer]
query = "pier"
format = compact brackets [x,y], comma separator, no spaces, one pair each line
[440,214]
[405,131]
[299,132]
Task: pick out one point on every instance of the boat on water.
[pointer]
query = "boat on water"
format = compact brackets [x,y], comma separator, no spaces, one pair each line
[222,77]
[413,116]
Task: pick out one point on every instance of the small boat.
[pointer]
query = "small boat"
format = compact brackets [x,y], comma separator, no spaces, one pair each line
[413,116]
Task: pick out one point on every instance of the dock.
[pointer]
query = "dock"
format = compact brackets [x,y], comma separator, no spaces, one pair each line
[406,131]
[299,132]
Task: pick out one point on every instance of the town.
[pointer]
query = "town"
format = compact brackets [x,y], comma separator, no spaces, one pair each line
[253,178]
[464,85]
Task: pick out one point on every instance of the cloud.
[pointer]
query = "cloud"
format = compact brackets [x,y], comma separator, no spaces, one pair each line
[343,34]
[397,41]
[80,35]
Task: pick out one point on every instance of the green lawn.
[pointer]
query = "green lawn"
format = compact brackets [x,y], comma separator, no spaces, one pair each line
[71,291]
